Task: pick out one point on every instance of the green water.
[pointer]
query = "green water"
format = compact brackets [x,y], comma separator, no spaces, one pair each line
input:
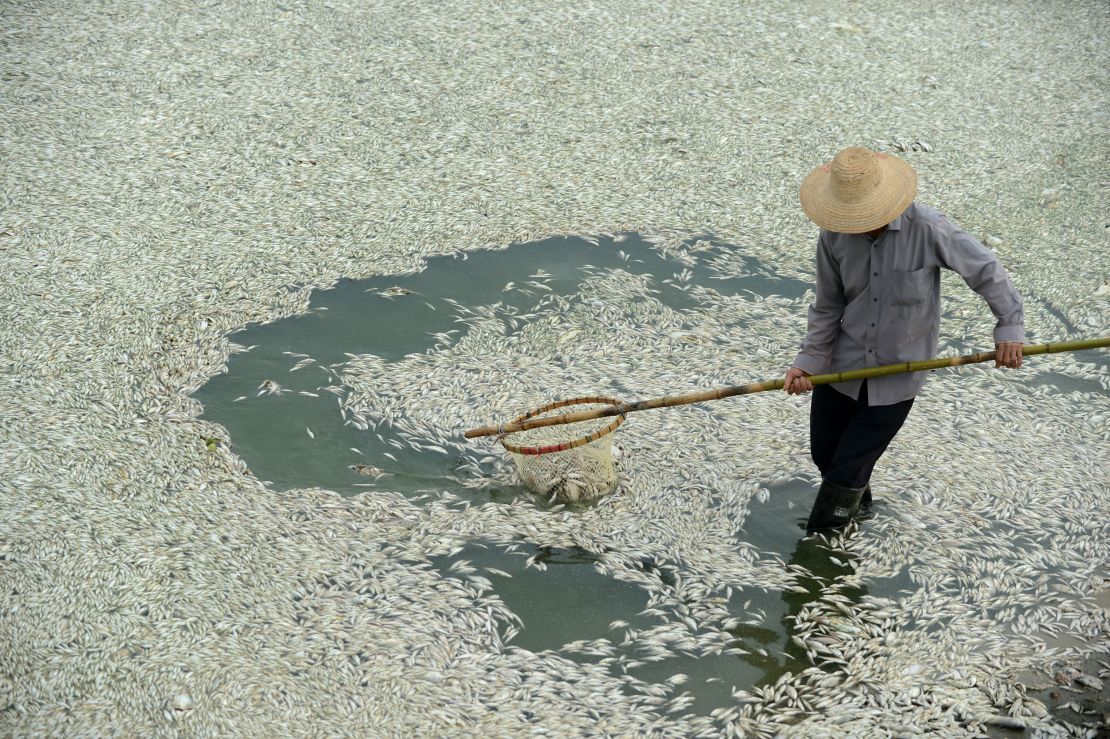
[270,432]
[570,599]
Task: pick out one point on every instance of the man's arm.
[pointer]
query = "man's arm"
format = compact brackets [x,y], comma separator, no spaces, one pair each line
[962,253]
[824,322]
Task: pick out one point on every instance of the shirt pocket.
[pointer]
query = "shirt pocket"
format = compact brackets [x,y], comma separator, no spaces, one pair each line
[910,310]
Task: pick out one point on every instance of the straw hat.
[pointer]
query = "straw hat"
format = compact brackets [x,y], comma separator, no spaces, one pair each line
[858,191]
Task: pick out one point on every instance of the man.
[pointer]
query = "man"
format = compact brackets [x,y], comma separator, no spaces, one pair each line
[878,302]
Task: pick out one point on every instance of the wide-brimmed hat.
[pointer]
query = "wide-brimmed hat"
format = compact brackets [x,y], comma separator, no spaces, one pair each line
[858,191]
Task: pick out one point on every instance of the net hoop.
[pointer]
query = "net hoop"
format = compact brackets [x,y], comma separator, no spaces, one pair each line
[563,446]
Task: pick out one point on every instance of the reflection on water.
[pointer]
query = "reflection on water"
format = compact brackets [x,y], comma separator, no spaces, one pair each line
[777,527]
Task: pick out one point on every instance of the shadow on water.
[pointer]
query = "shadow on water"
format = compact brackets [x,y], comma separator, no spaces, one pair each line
[296,437]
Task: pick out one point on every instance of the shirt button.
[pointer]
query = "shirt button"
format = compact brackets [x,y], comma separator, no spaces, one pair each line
[872,325]
[875,274]
[868,351]
[874,300]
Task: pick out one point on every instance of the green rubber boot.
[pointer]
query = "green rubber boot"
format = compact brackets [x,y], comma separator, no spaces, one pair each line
[834,507]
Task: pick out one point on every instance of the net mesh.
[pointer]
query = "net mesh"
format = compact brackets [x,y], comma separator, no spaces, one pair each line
[582,472]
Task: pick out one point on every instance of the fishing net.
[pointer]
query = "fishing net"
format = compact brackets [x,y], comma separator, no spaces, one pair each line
[570,462]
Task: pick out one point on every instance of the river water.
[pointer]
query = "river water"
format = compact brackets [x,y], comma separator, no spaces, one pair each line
[287,406]
[296,437]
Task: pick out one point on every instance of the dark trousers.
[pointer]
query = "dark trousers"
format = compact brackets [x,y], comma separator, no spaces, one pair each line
[847,437]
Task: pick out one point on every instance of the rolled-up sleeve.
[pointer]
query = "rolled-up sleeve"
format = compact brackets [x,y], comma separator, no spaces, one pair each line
[962,253]
[824,314]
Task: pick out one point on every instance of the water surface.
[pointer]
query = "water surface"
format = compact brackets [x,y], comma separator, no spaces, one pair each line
[296,436]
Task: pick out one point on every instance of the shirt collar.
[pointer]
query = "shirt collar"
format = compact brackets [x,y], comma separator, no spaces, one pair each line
[896,224]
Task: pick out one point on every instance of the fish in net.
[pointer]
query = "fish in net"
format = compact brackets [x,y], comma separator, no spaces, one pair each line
[571,462]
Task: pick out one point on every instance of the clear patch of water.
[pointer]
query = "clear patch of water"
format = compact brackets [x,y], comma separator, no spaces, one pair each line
[282,404]
[297,437]
[567,605]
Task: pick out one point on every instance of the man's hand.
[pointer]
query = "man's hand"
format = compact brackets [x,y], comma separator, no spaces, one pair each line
[1007,354]
[797,382]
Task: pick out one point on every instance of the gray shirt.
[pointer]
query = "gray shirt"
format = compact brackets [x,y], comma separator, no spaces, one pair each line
[878,302]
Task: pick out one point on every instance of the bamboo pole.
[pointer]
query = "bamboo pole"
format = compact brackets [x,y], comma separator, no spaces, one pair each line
[758,387]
